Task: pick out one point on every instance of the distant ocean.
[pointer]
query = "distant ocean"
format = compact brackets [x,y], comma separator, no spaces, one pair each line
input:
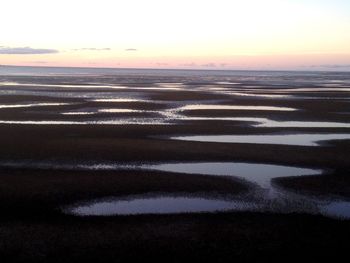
[272,78]
[46,71]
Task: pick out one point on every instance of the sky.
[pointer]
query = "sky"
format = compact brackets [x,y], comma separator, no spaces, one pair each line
[203,34]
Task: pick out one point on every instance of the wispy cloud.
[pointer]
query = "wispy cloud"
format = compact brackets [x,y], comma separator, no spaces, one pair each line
[92,49]
[209,65]
[26,51]
[131,49]
[192,64]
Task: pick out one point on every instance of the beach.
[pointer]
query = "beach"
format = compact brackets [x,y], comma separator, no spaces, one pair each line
[75,140]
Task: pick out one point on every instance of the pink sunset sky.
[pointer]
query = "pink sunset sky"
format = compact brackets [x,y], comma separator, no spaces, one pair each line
[220,34]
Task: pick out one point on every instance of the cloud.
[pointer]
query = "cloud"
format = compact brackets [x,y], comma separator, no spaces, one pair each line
[131,49]
[26,51]
[192,64]
[92,49]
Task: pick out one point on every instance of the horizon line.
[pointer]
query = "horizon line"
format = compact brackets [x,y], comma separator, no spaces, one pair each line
[189,69]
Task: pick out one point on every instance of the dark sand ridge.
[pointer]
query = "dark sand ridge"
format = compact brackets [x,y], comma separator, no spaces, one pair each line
[331,185]
[185,95]
[18,99]
[75,91]
[50,115]
[124,144]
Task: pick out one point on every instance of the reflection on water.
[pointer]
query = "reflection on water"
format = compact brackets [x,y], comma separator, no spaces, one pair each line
[165,204]
[158,205]
[78,113]
[268,123]
[118,110]
[234,107]
[172,115]
[282,139]
[118,100]
[124,121]
[260,174]
[306,124]
[27,105]
[171,85]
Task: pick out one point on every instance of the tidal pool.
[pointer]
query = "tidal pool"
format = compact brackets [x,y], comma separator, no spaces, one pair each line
[260,174]
[268,123]
[281,139]
[234,107]
[158,205]
[306,124]
[168,117]
[118,100]
[118,110]
[172,85]
[28,105]
[78,113]
[124,121]
[162,204]
[146,204]
[175,114]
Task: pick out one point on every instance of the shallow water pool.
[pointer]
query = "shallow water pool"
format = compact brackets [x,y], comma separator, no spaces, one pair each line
[280,139]
[260,174]
[158,205]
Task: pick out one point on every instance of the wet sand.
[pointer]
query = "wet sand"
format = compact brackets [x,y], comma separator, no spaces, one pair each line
[330,185]
[33,227]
